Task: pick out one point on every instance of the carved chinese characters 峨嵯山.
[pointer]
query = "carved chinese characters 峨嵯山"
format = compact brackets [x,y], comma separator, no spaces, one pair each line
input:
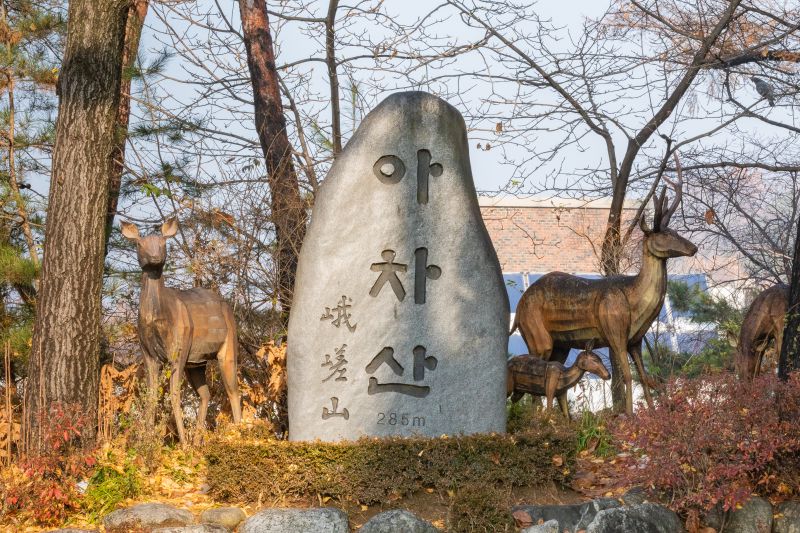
[337,367]
[342,314]
[334,410]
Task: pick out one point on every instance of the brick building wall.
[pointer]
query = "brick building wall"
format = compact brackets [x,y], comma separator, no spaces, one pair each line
[533,235]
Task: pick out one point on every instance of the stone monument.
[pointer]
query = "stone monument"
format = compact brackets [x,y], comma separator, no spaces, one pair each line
[400,317]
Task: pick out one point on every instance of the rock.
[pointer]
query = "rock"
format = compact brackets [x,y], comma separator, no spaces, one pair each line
[786,518]
[642,518]
[318,520]
[573,517]
[147,516]
[399,323]
[229,517]
[755,516]
[196,528]
[397,521]
[551,526]
[634,496]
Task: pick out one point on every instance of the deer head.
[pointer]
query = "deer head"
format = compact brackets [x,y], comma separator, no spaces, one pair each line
[660,240]
[589,361]
[152,249]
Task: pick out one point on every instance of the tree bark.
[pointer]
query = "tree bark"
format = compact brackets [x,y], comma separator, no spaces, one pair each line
[790,350]
[66,338]
[137,11]
[333,77]
[287,204]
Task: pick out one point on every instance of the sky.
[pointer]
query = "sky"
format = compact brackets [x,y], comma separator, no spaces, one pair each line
[489,173]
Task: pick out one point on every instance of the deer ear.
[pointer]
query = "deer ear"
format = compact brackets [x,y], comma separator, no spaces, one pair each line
[130,231]
[643,225]
[169,228]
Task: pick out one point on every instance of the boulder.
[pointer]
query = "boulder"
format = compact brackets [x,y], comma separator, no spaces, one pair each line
[754,516]
[229,517]
[634,496]
[147,516]
[642,518]
[399,322]
[551,526]
[397,521]
[573,517]
[786,518]
[317,520]
[196,528]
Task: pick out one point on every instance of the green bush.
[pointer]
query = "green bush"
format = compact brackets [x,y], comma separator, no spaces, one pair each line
[593,435]
[109,486]
[244,468]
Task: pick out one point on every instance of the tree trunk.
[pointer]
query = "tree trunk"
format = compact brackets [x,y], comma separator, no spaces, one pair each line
[790,350]
[288,207]
[333,77]
[133,33]
[66,337]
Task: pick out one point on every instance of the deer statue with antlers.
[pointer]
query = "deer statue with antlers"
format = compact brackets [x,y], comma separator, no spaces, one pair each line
[560,311]
[184,329]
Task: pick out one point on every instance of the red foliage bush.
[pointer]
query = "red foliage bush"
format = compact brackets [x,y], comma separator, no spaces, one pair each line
[715,439]
[44,488]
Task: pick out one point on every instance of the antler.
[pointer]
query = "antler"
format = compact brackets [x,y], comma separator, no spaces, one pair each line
[676,186]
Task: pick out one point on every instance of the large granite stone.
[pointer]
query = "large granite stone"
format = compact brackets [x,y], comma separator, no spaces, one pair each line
[400,315]
[319,520]
[147,516]
[397,521]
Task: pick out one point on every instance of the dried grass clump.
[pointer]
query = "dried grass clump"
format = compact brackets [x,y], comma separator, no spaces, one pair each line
[248,465]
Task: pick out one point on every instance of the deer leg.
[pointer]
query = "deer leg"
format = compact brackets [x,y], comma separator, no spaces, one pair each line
[551,376]
[228,357]
[196,376]
[635,350]
[564,404]
[153,368]
[175,381]
[537,338]
[614,319]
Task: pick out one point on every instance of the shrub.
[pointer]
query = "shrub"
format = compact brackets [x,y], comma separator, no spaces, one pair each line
[715,440]
[521,415]
[479,509]
[110,484]
[244,468]
[593,435]
[44,488]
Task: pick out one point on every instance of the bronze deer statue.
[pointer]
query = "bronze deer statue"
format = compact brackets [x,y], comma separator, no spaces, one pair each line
[183,328]
[533,375]
[560,311]
[763,321]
